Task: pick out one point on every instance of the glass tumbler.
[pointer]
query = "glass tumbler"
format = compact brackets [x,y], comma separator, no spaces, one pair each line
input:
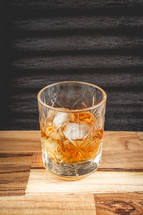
[71,116]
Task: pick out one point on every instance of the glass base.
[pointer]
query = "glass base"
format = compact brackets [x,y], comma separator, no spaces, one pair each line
[71,171]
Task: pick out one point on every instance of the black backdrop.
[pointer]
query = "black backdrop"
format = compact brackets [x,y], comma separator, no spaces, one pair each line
[100,42]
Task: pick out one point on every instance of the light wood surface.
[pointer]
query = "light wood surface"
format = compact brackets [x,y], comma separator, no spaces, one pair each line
[41,182]
[26,187]
[117,203]
[52,204]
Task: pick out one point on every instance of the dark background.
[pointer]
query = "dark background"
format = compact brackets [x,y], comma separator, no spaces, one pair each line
[100,42]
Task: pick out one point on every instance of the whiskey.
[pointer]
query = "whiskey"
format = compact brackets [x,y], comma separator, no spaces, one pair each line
[71,138]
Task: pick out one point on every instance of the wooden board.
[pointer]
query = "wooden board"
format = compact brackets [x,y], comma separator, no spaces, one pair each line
[14,173]
[119,203]
[41,182]
[52,204]
[23,141]
[26,187]
[29,141]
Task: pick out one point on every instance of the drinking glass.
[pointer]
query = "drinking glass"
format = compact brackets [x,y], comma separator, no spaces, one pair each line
[71,116]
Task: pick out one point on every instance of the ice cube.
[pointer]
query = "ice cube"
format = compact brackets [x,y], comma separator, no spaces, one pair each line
[61,118]
[76,131]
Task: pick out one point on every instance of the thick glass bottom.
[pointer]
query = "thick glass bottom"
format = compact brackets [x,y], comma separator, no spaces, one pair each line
[71,171]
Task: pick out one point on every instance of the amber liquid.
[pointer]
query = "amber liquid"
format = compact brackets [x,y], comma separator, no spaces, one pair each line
[76,140]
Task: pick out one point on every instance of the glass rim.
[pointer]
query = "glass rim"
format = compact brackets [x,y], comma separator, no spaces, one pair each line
[74,110]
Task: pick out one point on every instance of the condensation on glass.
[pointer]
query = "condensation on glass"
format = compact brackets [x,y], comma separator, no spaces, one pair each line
[71,116]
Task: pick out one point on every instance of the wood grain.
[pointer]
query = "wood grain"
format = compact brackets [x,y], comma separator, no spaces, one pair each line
[120,203]
[129,161]
[14,173]
[125,150]
[140,136]
[26,187]
[121,141]
[122,163]
[23,141]
[94,23]
[29,141]
[74,62]
[74,4]
[93,41]
[52,204]
[67,8]
[41,181]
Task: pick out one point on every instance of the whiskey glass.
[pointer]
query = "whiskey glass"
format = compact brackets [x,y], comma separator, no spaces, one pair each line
[71,117]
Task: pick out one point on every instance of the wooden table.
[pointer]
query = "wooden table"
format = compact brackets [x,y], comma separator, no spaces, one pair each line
[27,188]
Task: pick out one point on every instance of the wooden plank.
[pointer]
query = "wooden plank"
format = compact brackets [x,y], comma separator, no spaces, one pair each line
[46,24]
[29,141]
[20,141]
[123,160]
[37,162]
[14,173]
[78,43]
[41,181]
[52,204]
[40,80]
[121,141]
[68,8]
[73,4]
[119,203]
[74,62]
[112,160]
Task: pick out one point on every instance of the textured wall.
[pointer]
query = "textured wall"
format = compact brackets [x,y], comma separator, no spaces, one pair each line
[100,42]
